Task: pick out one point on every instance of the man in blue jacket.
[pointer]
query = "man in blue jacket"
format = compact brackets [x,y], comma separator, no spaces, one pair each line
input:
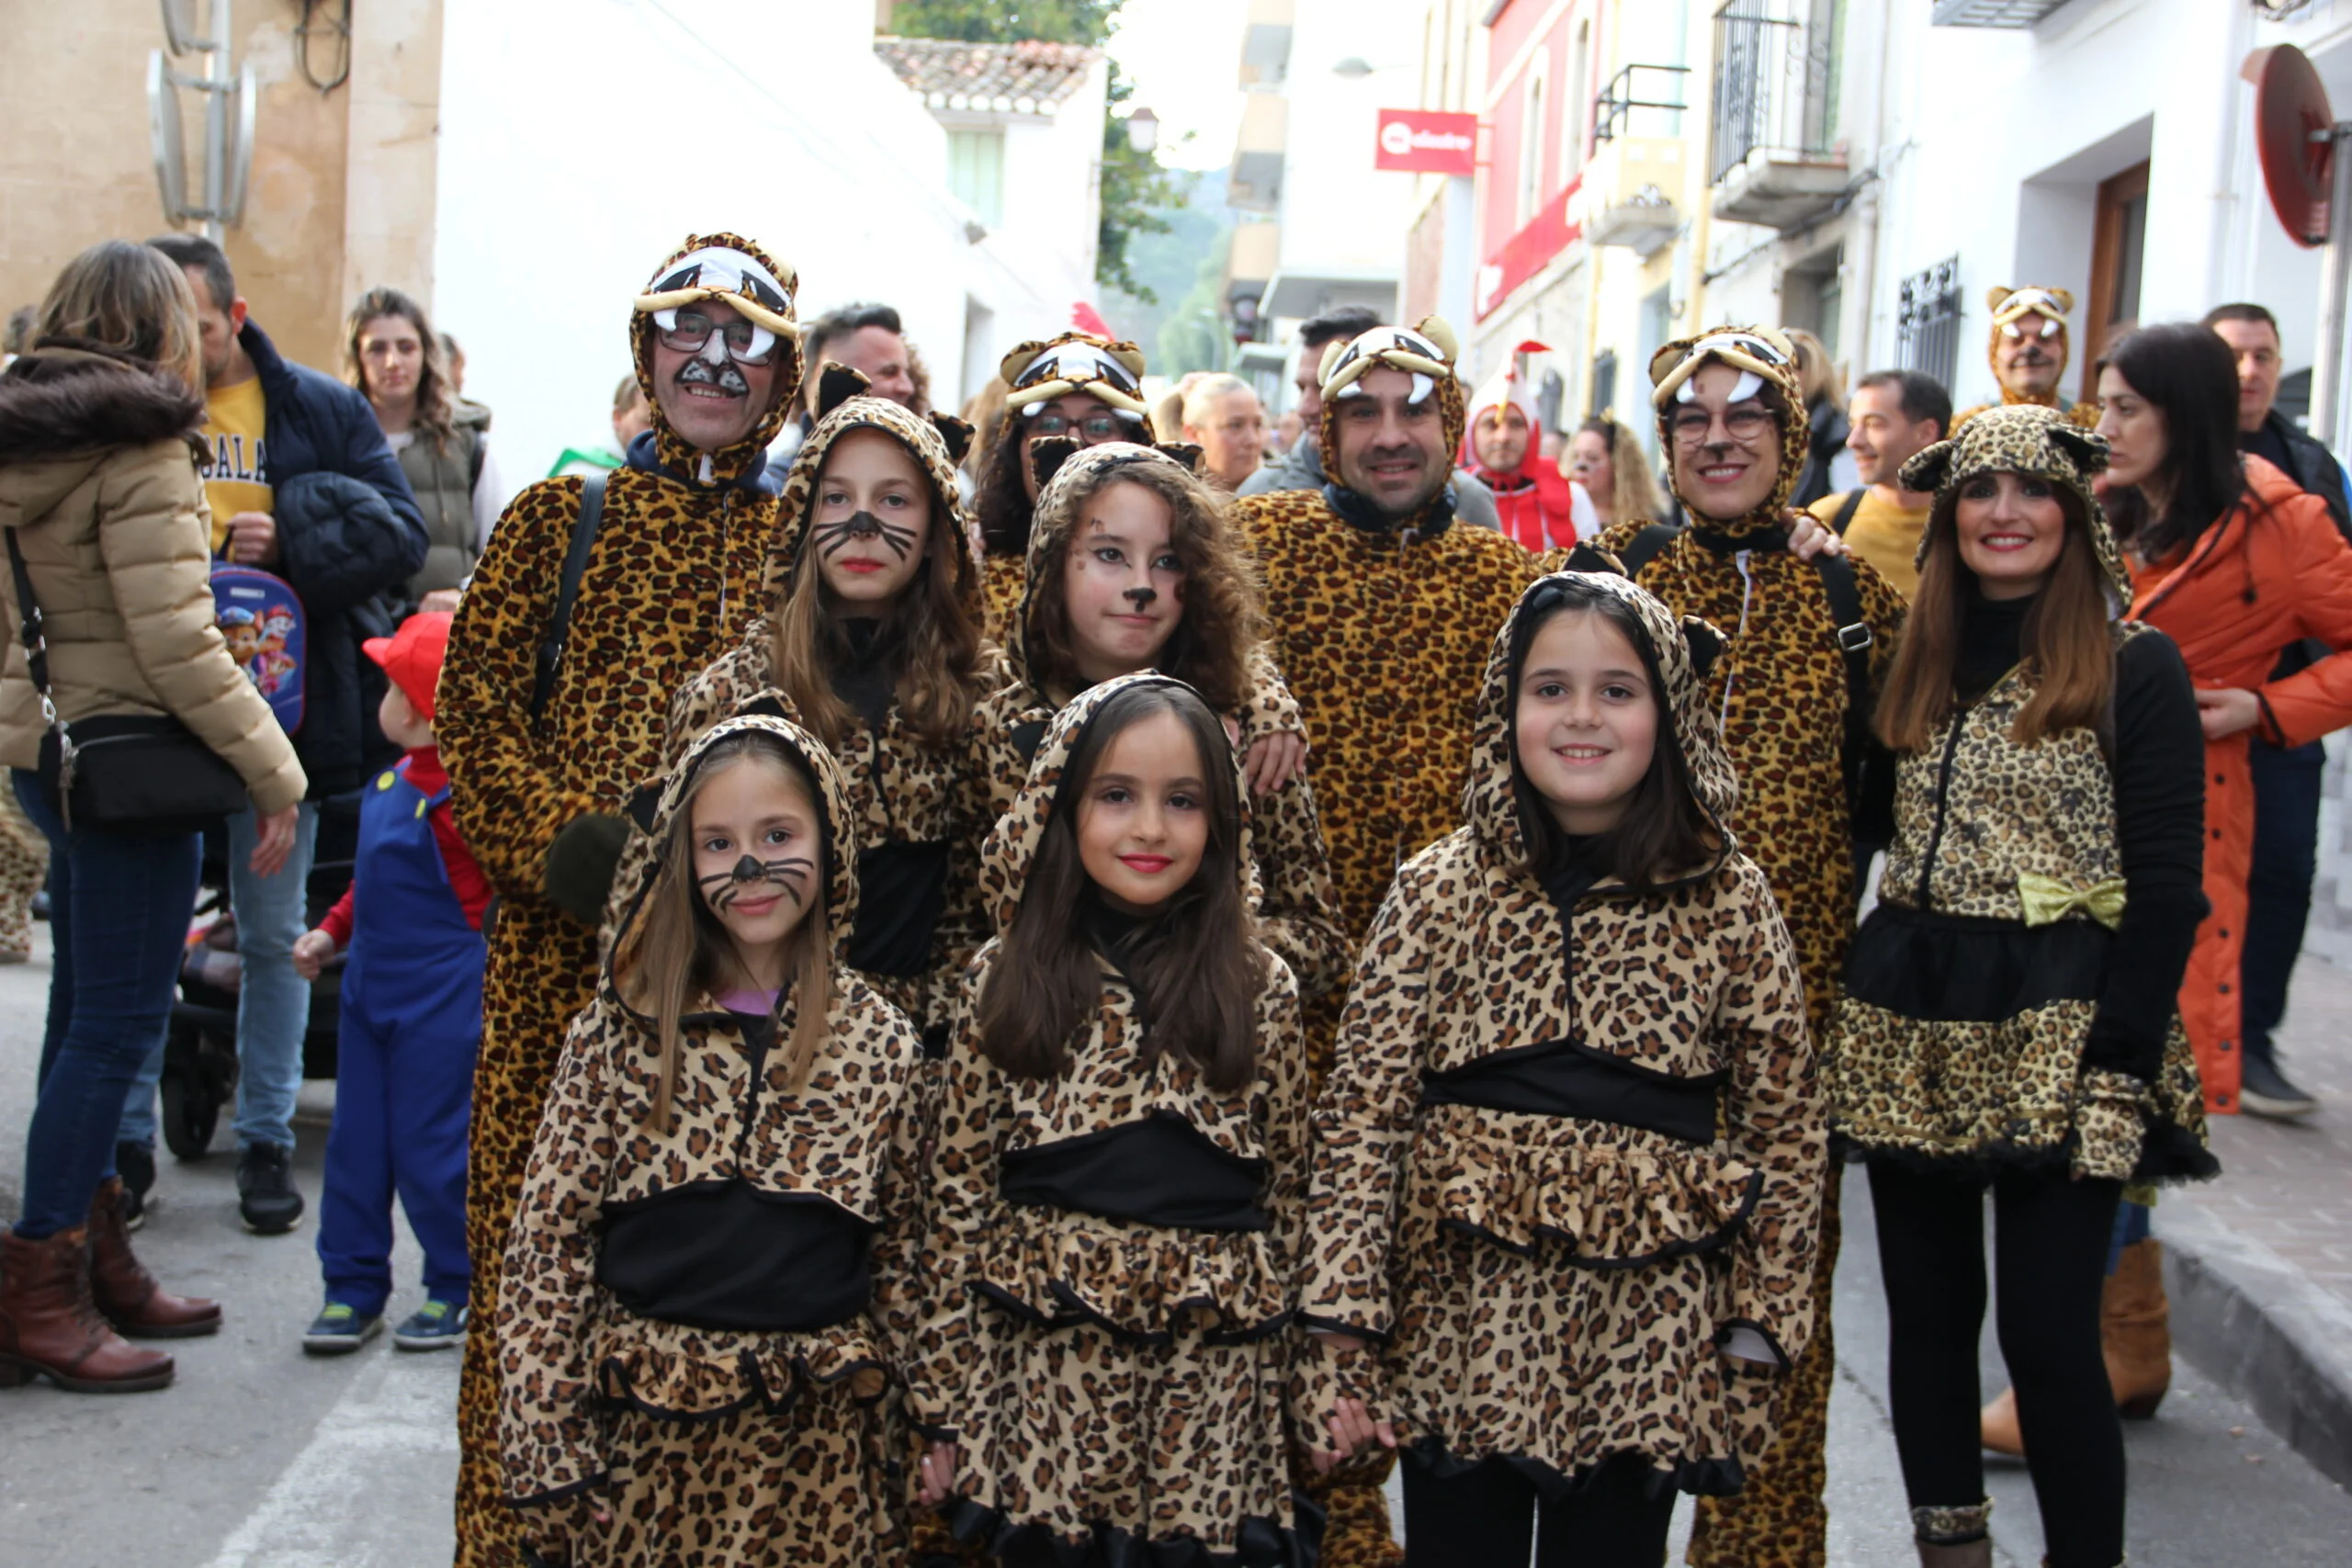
[302,485]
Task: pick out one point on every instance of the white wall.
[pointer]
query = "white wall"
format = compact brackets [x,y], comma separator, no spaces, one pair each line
[1340,215]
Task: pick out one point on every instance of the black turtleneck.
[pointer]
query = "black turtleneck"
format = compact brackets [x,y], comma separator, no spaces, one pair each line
[865,678]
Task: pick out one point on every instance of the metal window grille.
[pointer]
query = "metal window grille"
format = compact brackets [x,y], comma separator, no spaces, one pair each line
[1605,380]
[1926,321]
[1772,81]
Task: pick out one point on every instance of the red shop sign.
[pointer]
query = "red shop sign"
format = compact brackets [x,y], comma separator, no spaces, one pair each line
[1415,141]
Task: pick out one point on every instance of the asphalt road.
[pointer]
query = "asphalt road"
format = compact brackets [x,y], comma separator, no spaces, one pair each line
[259,1457]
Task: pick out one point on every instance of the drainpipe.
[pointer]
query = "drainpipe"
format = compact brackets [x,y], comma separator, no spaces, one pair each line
[1861,229]
[1694,296]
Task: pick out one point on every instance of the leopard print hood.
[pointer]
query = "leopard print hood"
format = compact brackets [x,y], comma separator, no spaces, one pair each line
[1427,351]
[936,442]
[1769,356]
[2008,305]
[654,811]
[2029,439]
[1673,646]
[1013,844]
[676,283]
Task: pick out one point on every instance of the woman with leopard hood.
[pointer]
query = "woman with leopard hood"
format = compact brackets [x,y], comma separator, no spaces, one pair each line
[548,725]
[1568,1166]
[1731,419]
[2049,821]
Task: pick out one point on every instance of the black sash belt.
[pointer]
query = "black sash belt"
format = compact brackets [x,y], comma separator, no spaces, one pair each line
[1158,1172]
[1561,1077]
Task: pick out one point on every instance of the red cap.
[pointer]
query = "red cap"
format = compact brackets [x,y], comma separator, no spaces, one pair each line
[412,657]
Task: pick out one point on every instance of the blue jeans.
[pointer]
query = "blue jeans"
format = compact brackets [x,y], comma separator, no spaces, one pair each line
[273,1002]
[2278,884]
[119,912]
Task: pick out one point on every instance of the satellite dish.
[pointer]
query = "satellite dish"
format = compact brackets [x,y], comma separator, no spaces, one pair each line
[179,27]
[241,156]
[164,137]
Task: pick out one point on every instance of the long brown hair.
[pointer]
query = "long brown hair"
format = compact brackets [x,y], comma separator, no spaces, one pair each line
[674,947]
[1633,494]
[435,403]
[131,299]
[930,639]
[1219,624]
[1198,967]
[2064,643]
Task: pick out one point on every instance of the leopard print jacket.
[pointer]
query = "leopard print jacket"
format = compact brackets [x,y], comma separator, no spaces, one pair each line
[849,1136]
[1555,1286]
[989,1264]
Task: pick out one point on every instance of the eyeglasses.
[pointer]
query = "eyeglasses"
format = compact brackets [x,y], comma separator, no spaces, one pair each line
[747,343]
[1092,431]
[1745,424]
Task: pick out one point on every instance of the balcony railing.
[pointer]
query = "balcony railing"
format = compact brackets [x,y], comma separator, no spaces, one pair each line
[1656,88]
[1771,87]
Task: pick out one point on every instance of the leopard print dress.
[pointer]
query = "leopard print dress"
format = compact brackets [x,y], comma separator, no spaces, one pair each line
[1111,1384]
[674,570]
[1780,692]
[706,1443]
[1551,1287]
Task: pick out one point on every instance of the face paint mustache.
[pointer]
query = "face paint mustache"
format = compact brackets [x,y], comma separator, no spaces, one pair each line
[726,378]
[834,537]
[789,877]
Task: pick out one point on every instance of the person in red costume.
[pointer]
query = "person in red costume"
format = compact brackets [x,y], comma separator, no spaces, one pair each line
[1539,506]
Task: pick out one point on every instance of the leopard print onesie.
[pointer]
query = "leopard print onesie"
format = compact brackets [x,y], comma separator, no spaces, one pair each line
[1112,1381]
[24,868]
[1781,692]
[674,571]
[763,1444]
[1549,1280]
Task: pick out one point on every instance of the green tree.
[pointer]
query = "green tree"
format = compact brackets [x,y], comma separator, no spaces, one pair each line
[1133,183]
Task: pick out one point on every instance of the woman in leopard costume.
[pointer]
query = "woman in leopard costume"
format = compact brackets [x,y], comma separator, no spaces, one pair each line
[1781,689]
[708,1274]
[1116,1179]
[2049,817]
[1207,637]
[892,695]
[674,571]
[1567,1168]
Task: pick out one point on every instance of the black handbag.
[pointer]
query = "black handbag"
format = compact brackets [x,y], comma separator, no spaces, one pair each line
[121,773]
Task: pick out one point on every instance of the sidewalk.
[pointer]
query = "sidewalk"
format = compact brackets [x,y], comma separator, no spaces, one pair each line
[2259,1262]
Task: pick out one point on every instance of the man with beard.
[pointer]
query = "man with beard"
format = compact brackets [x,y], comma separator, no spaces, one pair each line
[2029,351]
[1382,608]
[559,669]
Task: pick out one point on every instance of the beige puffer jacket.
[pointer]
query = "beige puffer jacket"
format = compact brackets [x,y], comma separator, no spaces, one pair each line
[98,484]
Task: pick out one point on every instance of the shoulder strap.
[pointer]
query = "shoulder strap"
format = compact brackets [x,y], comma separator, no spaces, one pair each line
[1845,613]
[1644,547]
[30,626]
[473,461]
[1853,503]
[575,565]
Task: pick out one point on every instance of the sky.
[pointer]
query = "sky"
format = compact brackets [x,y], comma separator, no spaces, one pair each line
[1184,57]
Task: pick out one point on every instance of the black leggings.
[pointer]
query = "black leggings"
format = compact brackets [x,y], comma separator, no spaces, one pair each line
[1487,1517]
[2050,1240]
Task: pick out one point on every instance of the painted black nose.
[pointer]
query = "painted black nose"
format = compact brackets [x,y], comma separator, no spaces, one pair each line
[1140,597]
[748,870]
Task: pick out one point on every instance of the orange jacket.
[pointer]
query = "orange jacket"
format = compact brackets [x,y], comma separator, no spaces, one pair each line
[2272,573]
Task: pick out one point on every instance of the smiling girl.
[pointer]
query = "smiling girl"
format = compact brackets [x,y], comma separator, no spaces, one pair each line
[1116,1179]
[1132,566]
[1567,1169]
[711,1251]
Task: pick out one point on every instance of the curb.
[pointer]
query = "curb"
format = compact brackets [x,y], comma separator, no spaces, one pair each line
[2254,1324]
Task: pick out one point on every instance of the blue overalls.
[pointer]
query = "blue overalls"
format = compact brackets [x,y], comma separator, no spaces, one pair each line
[411,1021]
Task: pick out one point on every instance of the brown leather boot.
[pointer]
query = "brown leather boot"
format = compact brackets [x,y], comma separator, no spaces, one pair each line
[50,1327]
[2135,1331]
[1996,1427]
[123,1290]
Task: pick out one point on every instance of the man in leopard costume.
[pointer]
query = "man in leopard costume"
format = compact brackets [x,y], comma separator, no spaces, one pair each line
[541,767]
[2028,353]
[1732,421]
[1382,612]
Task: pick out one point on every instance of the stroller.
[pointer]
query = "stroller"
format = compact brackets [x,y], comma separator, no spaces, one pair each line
[200,1048]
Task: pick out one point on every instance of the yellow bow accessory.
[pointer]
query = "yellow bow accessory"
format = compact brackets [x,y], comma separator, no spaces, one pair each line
[2047,900]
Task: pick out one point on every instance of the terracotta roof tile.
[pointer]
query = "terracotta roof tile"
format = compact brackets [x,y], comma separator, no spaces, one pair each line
[1001,78]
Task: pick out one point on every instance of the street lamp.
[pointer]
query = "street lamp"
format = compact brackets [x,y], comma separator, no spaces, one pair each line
[1143,132]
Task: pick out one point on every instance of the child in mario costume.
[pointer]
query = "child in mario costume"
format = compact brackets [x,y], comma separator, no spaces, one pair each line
[411,1020]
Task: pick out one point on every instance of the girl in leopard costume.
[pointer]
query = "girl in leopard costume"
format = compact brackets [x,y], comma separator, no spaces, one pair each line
[707,1278]
[1120,1156]
[2049,815]
[1568,1166]
[1100,516]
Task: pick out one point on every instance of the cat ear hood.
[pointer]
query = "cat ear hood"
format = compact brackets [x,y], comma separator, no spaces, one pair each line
[1680,650]
[2010,308]
[1763,359]
[1427,352]
[1067,473]
[656,807]
[737,273]
[1013,844]
[2037,442]
[1040,371]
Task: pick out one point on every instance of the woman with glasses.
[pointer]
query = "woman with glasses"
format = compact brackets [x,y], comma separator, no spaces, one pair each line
[1079,385]
[1732,419]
